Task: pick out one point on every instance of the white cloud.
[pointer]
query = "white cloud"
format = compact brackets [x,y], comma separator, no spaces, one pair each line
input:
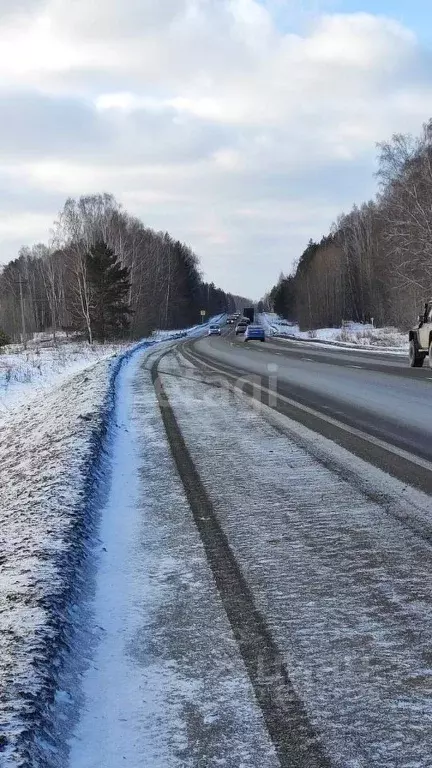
[204,118]
[32,225]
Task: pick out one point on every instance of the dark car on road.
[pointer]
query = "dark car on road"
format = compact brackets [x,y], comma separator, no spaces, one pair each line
[254,332]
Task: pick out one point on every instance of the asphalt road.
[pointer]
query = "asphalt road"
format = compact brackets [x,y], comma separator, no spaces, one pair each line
[322,564]
[375,405]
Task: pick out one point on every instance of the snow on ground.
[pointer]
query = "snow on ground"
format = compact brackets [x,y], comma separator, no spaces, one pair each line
[33,372]
[43,365]
[51,445]
[45,454]
[166,686]
[345,587]
[195,330]
[358,335]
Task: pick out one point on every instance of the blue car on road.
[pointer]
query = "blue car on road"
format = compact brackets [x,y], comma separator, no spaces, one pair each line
[254,332]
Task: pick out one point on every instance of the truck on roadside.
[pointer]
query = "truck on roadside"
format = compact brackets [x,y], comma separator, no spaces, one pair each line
[420,338]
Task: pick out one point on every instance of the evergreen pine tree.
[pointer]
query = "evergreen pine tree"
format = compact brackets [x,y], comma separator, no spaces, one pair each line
[109,286]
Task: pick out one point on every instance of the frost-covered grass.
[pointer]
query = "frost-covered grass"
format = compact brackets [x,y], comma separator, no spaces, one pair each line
[34,371]
[46,451]
[28,373]
[350,334]
[368,336]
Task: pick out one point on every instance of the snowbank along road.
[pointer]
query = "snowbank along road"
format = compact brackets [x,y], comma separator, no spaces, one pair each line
[263,595]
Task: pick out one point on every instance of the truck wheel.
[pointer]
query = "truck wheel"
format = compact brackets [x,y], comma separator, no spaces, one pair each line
[416,358]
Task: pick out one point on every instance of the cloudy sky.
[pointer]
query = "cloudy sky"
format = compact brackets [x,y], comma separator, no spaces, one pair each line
[243,127]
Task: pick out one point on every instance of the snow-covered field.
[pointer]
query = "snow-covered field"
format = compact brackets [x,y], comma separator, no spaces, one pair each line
[30,373]
[358,335]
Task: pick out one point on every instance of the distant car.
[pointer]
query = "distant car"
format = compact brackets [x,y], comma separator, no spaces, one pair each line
[254,332]
[241,327]
[214,330]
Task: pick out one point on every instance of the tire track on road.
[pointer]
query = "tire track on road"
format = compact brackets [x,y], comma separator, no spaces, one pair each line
[291,732]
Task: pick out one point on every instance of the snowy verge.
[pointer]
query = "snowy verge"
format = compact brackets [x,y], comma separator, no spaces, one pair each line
[352,335]
[46,453]
[25,374]
[52,470]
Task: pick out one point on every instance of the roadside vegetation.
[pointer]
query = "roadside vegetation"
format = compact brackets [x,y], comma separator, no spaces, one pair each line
[348,334]
[376,262]
[29,373]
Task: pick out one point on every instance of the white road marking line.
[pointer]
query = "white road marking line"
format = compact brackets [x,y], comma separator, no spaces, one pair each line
[356,366]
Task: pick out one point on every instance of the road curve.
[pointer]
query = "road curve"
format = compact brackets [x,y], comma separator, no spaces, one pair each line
[376,406]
